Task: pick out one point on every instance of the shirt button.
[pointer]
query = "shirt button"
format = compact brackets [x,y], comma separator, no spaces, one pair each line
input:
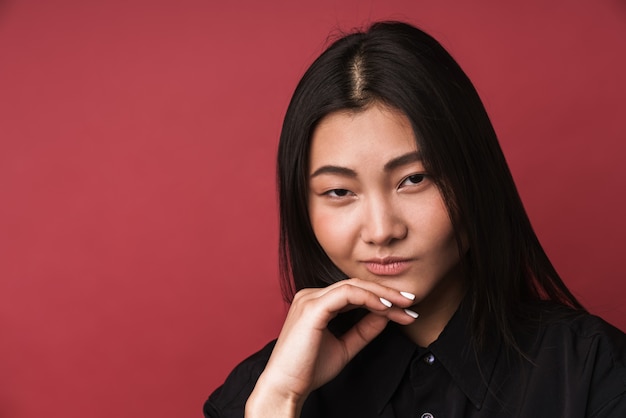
[427,415]
[429,359]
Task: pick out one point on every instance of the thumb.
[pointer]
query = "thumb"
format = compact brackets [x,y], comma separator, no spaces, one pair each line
[362,333]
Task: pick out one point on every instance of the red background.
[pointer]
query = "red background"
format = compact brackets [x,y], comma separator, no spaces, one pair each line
[138,214]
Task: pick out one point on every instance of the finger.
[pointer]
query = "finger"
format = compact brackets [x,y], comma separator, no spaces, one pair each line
[362,333]
[397,298]
[348,296]
[318,306]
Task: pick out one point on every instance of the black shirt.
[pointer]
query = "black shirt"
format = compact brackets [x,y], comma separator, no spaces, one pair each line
[574,366]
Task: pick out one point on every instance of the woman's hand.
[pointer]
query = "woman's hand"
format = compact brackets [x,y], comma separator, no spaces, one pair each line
[307,354]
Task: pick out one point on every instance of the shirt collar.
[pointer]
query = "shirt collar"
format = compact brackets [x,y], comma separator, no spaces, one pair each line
[394,352]
[471,370]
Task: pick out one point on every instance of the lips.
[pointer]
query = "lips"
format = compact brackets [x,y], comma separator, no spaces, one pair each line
[388,266]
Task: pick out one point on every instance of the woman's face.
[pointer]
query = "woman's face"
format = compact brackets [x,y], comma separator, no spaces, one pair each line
[374,209]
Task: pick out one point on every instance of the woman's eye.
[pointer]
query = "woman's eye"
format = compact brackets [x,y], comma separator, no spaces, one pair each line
[337,193]
[413,179]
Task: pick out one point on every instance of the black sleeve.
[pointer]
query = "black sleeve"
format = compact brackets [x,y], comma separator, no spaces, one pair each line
[607,399]
[229,400]
[615,408]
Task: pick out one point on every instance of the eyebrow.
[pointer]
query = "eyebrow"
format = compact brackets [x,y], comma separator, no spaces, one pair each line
[411,157]
[391,165]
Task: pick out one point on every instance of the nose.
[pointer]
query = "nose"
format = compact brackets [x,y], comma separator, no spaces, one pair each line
[382,222]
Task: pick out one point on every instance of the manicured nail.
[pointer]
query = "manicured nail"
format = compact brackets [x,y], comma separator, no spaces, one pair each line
[411,313]
[408,295]
[385,302]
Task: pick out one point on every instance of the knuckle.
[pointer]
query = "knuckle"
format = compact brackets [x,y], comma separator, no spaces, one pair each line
[303,293]
[301,297]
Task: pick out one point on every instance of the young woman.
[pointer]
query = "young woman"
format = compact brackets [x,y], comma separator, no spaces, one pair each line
[420,287]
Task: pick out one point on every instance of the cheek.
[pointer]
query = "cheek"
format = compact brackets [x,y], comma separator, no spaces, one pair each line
[447,232]
[438,232]
[446,248]
[334,233]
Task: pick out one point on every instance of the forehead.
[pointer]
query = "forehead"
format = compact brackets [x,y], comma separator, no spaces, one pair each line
[373,135]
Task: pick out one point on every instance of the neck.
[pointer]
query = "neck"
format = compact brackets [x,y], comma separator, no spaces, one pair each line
[435,311]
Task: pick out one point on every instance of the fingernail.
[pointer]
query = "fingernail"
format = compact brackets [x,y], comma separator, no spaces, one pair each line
[385,302]
[411,313]
[408,295]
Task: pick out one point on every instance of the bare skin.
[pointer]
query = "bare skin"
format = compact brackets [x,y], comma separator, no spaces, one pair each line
[379,217]
[294,369]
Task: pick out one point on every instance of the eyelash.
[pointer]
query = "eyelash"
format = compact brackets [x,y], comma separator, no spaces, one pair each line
[416,180]
[334,195]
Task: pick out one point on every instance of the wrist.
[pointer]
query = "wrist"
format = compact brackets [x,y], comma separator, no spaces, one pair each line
[266,401]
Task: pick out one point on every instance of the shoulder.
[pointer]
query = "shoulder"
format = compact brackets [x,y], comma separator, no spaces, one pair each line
[229,400]
[575,326]
[591,356]
[558,326]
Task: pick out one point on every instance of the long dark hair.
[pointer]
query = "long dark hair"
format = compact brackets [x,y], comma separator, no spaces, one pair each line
[402,67]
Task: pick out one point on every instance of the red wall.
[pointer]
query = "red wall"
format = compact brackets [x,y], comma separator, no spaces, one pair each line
[138,214]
